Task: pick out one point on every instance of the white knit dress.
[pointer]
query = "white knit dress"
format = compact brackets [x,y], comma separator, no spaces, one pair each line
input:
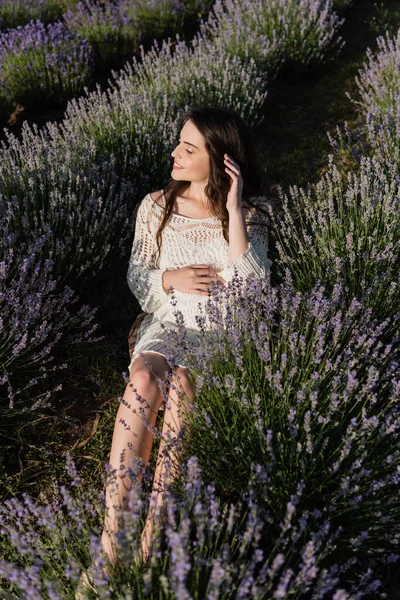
[185,241]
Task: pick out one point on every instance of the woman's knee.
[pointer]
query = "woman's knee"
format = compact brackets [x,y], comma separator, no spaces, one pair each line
[143,388]
[182,381]
[141,379]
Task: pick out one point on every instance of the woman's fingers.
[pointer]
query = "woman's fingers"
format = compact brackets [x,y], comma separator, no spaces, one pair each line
[206,279]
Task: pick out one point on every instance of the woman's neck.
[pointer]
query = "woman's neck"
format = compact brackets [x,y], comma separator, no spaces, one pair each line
[196,193]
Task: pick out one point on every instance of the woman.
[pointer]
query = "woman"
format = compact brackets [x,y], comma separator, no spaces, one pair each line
[188,235]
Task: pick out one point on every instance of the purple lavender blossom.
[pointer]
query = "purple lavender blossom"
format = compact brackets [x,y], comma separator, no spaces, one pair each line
[378,80]
[53,540]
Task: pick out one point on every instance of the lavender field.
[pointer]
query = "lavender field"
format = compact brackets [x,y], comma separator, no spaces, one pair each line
[288,485]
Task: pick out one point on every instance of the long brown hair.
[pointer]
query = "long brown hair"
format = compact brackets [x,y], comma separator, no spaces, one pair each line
[224,131]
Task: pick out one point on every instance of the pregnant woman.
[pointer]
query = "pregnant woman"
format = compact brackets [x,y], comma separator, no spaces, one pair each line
[208,222]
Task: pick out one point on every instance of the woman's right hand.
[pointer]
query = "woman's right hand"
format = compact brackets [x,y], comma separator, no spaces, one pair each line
[192,279]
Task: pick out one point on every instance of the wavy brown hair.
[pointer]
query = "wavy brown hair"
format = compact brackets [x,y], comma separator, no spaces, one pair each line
[224,131]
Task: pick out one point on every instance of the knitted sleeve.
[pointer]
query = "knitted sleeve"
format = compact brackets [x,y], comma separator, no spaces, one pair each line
[144,277]
[255,258]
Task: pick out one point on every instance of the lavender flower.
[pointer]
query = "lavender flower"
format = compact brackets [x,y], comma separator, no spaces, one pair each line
[76,202]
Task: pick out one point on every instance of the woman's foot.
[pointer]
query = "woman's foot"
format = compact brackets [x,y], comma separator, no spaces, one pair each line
[86,581]
[85,584]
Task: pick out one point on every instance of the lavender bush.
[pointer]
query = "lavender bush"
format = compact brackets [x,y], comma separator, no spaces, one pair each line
[376,133]
[344,231]
[157,18]
[43,63]
[36,315]
[207,549]
[379,118]
[115,29]
[136,131]
[109,27]
[377,136]
[197,75]
[297,32]
[301,396]
[76,200]
[378,80]
[139,117]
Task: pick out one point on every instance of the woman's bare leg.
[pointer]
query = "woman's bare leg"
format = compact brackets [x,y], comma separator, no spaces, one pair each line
[136,441]
[177,404]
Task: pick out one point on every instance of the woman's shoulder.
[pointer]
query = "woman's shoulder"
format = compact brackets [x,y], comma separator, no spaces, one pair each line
[148,210]
[157,197]
[151,204]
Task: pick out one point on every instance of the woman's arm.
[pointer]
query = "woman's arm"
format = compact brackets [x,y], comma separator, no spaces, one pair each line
[248,246]
[144,277]
[238,236]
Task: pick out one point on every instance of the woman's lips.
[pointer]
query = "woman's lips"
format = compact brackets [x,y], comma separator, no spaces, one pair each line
[177,167]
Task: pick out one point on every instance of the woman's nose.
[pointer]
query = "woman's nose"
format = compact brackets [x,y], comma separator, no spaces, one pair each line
[175,152]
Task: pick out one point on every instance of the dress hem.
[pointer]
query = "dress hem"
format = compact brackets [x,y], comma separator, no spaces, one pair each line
[152,352]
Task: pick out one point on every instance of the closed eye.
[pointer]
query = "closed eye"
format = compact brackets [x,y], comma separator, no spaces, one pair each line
[187,150]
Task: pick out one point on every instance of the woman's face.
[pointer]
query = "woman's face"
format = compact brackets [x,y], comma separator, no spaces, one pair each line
[191,159]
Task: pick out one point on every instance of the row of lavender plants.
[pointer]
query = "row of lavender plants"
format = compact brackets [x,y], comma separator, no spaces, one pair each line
[80,179]
[53,62]
[347,229]
[116,28]
[20,12]
[288,477]
[96,32]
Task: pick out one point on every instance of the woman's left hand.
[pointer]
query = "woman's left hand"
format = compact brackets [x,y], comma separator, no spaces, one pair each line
[234,199]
